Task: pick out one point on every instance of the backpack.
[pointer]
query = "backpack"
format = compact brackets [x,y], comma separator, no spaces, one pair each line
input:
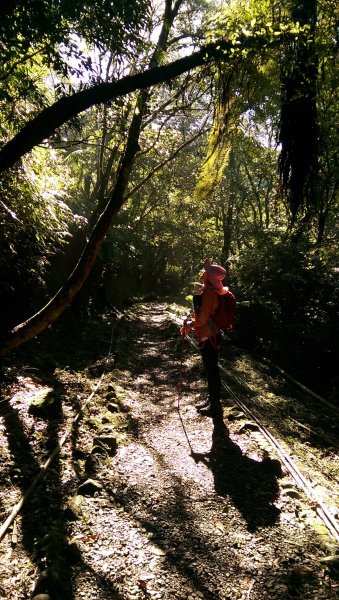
[224,316]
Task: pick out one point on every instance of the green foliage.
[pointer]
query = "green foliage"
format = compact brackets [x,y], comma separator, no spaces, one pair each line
[219,143]
[290,296]
[58,35]
[255,18]
[34,221]
[43,25]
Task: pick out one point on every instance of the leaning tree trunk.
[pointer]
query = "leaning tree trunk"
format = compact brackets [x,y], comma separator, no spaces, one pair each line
[49,119]
[49,313]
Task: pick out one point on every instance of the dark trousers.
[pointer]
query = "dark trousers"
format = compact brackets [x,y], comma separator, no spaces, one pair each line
[209,353]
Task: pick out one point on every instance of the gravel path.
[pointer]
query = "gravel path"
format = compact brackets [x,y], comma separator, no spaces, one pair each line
[220,523]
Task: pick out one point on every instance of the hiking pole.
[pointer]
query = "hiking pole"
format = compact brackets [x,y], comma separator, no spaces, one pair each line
[183,335]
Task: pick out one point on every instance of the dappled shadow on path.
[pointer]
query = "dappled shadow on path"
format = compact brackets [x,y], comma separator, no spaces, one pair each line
[174,528]
[102,582]
[43,534]
[252,485]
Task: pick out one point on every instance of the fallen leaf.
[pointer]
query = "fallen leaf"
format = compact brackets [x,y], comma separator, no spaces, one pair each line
[89,539]
[143,585]
[158,551]
[14,534]
[106,552]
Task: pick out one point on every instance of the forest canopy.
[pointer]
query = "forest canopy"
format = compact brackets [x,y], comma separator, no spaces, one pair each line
[137,138]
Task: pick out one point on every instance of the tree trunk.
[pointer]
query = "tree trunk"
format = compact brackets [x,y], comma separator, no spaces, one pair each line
[298,117]
[227,226]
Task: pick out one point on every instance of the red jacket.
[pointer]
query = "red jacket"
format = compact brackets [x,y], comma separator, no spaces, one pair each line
[204,326]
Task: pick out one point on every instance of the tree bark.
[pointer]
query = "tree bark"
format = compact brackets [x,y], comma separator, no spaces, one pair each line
[298,161]
[227,228]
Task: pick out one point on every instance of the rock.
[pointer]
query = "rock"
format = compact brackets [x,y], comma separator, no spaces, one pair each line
[99,450]
[41,585]
[157,551]
[73,510]
[70,515]
[233,415]
[92,463]
[292,493]
[272,466]
[45,404]
[106,419]
[73,554]
[48,580]
[334,559]
[248,426]
[332,563]
[89,487]
[108,442]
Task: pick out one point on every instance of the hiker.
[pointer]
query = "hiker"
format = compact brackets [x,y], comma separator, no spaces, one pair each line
[208,334]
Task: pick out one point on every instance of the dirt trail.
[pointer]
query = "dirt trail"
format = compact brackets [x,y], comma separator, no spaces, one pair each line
[221,524]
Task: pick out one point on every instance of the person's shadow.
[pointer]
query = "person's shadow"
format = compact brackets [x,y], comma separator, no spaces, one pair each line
[252,485]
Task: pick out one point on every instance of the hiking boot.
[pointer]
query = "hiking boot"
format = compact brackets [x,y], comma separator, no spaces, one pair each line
[203,404]
[206,411]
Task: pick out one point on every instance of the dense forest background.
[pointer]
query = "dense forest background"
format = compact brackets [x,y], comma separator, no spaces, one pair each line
[140,137]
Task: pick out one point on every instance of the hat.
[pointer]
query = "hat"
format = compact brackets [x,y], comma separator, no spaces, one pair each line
[215,274]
